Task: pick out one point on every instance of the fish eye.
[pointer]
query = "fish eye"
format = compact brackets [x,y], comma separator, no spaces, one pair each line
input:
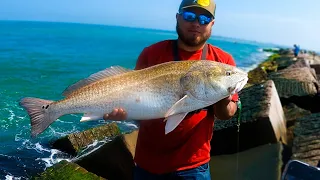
[228,73]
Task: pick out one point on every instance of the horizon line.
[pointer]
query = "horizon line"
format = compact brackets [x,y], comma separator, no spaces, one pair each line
[145,28]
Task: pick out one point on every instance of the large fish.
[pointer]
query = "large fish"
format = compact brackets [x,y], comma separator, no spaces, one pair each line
[169,90]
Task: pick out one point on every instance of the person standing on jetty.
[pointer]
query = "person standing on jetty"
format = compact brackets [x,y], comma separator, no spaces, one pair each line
[296,50]
[185,152]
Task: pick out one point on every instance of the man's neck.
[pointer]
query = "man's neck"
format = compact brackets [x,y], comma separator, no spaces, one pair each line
[185,47]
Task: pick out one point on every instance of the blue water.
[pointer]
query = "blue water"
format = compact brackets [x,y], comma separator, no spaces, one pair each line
[41,59]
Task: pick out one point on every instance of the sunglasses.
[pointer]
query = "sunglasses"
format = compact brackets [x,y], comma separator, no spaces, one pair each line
[191,17]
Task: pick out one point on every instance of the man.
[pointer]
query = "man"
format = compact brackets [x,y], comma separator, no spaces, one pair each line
[185,152]
[296,50]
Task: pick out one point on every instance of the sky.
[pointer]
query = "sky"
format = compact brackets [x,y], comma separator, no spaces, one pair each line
[283,22]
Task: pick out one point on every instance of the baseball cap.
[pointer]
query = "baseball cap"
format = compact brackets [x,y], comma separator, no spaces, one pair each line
[208,5]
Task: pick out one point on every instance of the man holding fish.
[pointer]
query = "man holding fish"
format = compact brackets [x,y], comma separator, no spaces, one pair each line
[185,152]
[175,101]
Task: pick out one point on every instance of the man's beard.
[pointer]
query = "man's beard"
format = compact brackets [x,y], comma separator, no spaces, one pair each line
[192,41]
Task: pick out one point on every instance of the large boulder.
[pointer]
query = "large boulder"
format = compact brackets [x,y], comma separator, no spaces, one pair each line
[299,86]
[113,160]
[74,143]
[292,113]
[306,143]
[263,163]
[301,63]
[262,122]
[66,170]
[295,82]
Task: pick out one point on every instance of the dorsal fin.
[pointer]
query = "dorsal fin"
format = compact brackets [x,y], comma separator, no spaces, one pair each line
[111,71]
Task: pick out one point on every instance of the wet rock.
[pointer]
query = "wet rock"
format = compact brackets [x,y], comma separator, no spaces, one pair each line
[74,143]
[66,170]
[262,163]
[114,160]
[306,143]
[262,117]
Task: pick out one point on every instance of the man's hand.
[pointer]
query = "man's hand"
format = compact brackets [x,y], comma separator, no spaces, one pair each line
[225,108]
[116,115]
[224,101]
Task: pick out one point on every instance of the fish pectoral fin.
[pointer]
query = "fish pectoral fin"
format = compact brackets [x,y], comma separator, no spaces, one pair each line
[173,121]
[179,104]
[108,72]
[89,117]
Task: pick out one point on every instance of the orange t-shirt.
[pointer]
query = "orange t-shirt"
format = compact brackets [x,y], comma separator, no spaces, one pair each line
[187,146]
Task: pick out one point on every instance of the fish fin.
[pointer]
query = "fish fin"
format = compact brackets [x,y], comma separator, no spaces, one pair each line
[89,117]
[176,106]
[108,72]
[39,113]
[173,121]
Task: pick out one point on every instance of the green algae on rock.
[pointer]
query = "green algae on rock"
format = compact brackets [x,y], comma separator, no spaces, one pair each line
[66,170]
[75,142]
[260,73]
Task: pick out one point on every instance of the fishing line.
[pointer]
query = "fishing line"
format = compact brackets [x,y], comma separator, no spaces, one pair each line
[238,134]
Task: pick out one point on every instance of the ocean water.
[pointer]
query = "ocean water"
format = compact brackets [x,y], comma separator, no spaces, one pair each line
[41,59]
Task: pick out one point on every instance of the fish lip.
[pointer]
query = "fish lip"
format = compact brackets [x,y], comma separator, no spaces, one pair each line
[239,86]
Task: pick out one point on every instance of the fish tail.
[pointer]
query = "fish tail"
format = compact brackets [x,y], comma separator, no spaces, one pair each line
[39,113]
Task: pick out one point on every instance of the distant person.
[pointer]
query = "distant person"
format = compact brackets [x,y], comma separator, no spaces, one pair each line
[185,152]
[296,50]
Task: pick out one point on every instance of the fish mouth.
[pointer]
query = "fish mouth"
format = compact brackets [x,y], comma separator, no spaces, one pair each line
[238,87]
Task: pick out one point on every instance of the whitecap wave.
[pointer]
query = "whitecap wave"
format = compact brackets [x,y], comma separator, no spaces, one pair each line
[53,158]
[11,177]
[256,59]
